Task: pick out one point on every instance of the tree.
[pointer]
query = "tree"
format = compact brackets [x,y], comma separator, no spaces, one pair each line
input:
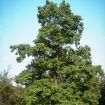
[102,90]
[61,71]
[9,94]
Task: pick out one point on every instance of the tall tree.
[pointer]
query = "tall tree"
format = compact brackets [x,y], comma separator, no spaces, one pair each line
[61,71]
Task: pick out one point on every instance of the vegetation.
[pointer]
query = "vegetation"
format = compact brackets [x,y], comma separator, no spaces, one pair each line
[61,70]
[102,91]
[9,94]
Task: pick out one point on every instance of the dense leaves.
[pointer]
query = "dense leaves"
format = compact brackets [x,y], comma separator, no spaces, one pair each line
[61,70]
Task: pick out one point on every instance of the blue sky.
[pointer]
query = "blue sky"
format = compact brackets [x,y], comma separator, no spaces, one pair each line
[18,24]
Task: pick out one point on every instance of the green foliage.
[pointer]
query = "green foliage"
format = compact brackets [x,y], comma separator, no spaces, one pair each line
[9,94]
[61,70]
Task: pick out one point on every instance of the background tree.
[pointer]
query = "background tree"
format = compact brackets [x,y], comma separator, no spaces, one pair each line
[61,71]
[102,90]
[9,94]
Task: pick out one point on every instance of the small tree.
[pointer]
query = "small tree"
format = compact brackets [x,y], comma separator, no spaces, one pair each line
[61,71]
[9,94]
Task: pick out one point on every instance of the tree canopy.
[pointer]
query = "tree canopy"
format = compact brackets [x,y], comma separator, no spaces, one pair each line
[61,70]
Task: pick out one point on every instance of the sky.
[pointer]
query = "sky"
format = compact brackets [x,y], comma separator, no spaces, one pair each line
[19,24]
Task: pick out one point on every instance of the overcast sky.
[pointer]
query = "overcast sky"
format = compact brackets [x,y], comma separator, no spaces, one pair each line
[18,24]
